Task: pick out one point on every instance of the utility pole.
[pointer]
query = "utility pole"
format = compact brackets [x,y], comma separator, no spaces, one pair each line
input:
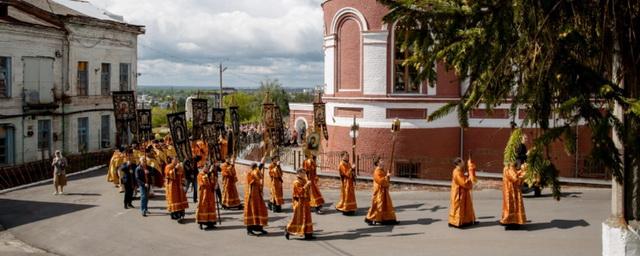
[222,69]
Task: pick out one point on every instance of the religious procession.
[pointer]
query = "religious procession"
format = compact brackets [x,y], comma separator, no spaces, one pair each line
[203,159]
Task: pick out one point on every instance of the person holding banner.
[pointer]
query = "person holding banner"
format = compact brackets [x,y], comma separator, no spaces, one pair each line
[381,211]
[461,212]
[309,165]
[256,216]
[347,204]
[175,195]
[206,213]
[301,223]
[275,173]
[230,197]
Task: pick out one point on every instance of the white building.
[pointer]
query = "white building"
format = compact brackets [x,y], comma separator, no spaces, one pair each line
[59,61]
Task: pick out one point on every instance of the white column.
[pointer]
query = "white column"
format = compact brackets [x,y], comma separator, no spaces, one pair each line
[329,64]
[374,62]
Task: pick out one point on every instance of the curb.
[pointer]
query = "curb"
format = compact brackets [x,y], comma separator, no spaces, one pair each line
[37,183]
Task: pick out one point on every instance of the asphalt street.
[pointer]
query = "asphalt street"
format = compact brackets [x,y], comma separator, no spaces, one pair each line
[90,220]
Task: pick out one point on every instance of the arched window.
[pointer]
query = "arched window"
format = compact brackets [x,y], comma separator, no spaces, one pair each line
[349,49]
[404,76]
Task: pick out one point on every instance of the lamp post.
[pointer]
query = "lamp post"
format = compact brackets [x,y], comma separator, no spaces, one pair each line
[354,135]
[395,128]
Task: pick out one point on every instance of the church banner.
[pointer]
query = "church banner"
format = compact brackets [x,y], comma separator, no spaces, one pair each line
[144,124]
[218,118]
[200,112]
[124,111]
[210,133]
[180,135]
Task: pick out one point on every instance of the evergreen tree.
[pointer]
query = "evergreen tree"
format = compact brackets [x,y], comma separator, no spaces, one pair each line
[561,61]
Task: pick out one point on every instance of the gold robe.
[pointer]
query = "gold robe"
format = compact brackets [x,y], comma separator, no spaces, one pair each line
[512,203]
[347,201]
[117,160]
[461,209]
[310,167]
[301,222]
[255,211]
[230,197]
[275,172]
[206,211]
[175,195]
[381,205]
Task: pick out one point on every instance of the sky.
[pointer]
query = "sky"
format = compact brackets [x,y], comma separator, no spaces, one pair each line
[185,41]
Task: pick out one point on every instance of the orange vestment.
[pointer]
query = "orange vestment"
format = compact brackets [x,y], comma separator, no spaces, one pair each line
[199,148]
[301,223]
[230,197]
[381,205]
[461,210]
[175,195]
[255,211]
[512,204]
[309,166]
[206,211]
[347,201]
[275,172]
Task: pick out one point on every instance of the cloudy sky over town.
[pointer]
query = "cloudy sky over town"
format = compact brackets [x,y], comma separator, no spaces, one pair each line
[257,39]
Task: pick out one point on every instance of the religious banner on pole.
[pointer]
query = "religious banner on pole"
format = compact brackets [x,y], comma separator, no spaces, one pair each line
[278,135]
[210,133]
[200,111]
[218,118]
[180,135]
[124,110]
[144,124]
[235,128]
[268,121]
[319,116]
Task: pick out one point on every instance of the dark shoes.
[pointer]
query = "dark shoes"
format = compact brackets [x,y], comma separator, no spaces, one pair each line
[309,237]
[286,235]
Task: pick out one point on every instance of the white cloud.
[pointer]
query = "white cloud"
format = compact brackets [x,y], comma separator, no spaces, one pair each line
[256,38]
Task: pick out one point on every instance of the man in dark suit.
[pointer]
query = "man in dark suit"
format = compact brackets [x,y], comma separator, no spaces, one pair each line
[126,181]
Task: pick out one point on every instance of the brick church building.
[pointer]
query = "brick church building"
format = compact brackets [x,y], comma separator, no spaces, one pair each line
[363,77]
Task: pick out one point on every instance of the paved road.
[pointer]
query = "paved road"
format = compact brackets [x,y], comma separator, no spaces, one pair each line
[89,220]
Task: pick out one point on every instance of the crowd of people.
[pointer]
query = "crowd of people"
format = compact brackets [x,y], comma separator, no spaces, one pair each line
[154,164]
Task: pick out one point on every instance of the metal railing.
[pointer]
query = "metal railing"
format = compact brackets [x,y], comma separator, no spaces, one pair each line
[16,175]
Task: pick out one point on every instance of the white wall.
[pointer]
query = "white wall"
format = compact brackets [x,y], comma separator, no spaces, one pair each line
[374,63]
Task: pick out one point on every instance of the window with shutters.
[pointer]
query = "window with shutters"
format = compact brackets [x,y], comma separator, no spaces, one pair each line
[105,79]
[105,140]
[83,134]
[5,76]
[83,78]
[7,146]
[125,83]
[44,135]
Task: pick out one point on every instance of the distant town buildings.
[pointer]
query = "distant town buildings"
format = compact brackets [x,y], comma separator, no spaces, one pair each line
[59,62]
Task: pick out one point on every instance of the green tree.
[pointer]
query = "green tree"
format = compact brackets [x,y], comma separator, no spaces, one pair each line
[278,95]
[249,107]
[302,97]
[159,117]
[561,61]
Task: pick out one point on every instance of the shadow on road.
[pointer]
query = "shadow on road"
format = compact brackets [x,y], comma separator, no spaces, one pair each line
[82,194]
[561,224]
[402,208]
[425,221]
[563,195]
[355,234]
[15,213]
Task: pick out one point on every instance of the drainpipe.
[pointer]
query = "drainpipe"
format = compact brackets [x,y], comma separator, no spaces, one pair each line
[66,48]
